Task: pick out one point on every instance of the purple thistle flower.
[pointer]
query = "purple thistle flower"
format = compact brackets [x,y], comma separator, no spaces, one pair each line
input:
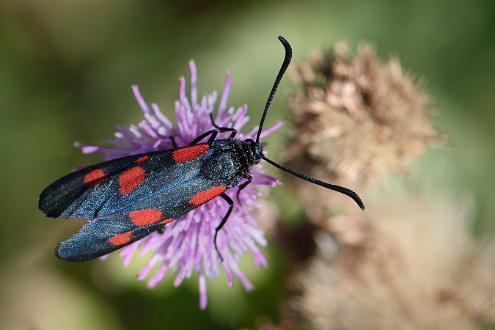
[186,245]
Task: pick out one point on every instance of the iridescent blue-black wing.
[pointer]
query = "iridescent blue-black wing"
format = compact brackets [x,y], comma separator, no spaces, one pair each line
[127,199]
[118,185]
[107,234]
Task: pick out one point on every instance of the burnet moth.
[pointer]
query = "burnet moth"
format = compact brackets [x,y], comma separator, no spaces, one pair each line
[128,198]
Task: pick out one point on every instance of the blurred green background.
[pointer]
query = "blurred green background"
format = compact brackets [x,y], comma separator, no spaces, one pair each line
[65,73]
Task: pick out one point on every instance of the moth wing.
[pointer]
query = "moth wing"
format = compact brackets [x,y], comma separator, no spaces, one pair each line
[65,193]
[187,189]
[119,185]
[101,236]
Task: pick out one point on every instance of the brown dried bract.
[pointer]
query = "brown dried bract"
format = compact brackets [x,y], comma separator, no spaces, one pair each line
[356,121]
[416,267]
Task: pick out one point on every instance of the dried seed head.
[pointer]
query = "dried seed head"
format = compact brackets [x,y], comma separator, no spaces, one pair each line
[416,267]
[356,120]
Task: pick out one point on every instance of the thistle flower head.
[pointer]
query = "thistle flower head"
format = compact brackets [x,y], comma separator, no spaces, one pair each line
[186,245]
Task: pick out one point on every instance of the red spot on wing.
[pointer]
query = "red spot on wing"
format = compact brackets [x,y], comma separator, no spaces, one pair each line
[145,217]
[206,195]
[169,220]
[189,153]
[120,239]
[130,179]
[142,159]
[94,177]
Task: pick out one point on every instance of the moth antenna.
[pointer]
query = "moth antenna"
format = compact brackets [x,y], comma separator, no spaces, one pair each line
[342,190]
[283,68]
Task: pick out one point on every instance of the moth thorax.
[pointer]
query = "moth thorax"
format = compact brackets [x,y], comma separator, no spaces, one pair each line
[222,166]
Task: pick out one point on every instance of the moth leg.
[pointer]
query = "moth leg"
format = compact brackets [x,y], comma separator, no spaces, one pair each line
[174,143]
[222,223]
[233,131]
[242,186]
[213,134]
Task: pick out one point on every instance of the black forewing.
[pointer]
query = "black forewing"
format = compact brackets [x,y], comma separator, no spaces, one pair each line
[170,187]
[84,192]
